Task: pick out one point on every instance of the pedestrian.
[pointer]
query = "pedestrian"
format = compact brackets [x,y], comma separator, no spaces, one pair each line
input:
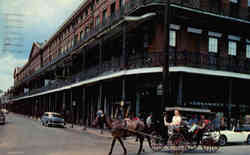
[67,115]
[193,120]
[203,123]
[100,117]
[149,120]
[216,123]
[222,123]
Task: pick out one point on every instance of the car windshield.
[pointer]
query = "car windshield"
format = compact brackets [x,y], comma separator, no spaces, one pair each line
[55,115]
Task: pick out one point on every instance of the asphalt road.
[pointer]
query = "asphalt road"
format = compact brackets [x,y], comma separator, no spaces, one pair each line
[23,136]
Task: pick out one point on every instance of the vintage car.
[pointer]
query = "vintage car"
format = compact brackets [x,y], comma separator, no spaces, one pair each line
[52,119]
[2,118]
[241,134]
[5,111]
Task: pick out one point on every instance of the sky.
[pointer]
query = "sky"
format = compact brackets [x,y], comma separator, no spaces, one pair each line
[39,20]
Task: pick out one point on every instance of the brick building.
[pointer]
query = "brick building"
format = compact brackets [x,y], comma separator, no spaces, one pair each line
[110,52]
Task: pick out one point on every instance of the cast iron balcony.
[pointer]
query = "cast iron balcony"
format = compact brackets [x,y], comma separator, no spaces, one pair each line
[209,61]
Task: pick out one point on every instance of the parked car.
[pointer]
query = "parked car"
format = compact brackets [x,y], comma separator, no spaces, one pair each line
[241,134]
[2,118]
[52,119]
[5,111]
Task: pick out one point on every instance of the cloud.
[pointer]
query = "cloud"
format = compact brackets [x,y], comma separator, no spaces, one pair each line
[7,66]
[41,18]
[41,12]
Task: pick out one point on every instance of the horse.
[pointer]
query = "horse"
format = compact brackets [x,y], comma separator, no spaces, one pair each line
[124,128]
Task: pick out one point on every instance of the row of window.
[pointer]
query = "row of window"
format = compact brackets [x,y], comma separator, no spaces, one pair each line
[89,26]
[213,44]
[85,15]
[236,1]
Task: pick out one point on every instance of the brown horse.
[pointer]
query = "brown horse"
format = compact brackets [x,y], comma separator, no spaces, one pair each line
[124,128]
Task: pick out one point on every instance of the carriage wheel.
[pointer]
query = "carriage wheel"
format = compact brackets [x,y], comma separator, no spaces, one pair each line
[210,145]
[177,143]
[192,145]
[156,142]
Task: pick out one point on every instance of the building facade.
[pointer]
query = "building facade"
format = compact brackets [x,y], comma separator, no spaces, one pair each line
[110,53]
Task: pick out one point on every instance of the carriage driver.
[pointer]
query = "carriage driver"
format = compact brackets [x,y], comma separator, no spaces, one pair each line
[176,120]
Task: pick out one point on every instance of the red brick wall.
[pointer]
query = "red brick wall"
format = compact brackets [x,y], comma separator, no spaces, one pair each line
[244,9]
[204,42]
[158,39]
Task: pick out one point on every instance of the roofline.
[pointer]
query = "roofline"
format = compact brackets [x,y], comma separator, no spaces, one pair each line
[209,13]
[28,61]
[65,22]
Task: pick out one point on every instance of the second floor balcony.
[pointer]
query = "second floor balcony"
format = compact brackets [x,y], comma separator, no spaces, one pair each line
[192,59]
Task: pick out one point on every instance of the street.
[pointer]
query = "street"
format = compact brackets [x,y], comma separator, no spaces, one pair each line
[22,135]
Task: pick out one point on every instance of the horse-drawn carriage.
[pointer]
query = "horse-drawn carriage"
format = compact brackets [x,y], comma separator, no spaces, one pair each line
[176,138]
[188,136]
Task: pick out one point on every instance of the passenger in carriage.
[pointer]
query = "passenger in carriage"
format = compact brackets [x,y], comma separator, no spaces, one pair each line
[203,123]
[176,120]
[193,120]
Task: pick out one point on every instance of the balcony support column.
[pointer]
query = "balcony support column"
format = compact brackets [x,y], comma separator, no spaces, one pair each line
[63,103]
[165,73]
[50,102]
[84,114]
[99,106]
[180,90]
[71,108]
[124,50]
[123,97]
[42,105]
[100,55]
[83,59]
[56,100]
[229,106]
[45,103]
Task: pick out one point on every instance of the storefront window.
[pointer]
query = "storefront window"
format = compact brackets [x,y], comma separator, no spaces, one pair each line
[213,45]
[248,50]
[232,47]
[172,38]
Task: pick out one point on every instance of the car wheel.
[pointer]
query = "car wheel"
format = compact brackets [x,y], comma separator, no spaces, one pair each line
[222,140]
[248,140]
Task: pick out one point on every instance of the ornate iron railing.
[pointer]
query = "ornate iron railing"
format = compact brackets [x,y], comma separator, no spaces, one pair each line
[153,59]
[210,61]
